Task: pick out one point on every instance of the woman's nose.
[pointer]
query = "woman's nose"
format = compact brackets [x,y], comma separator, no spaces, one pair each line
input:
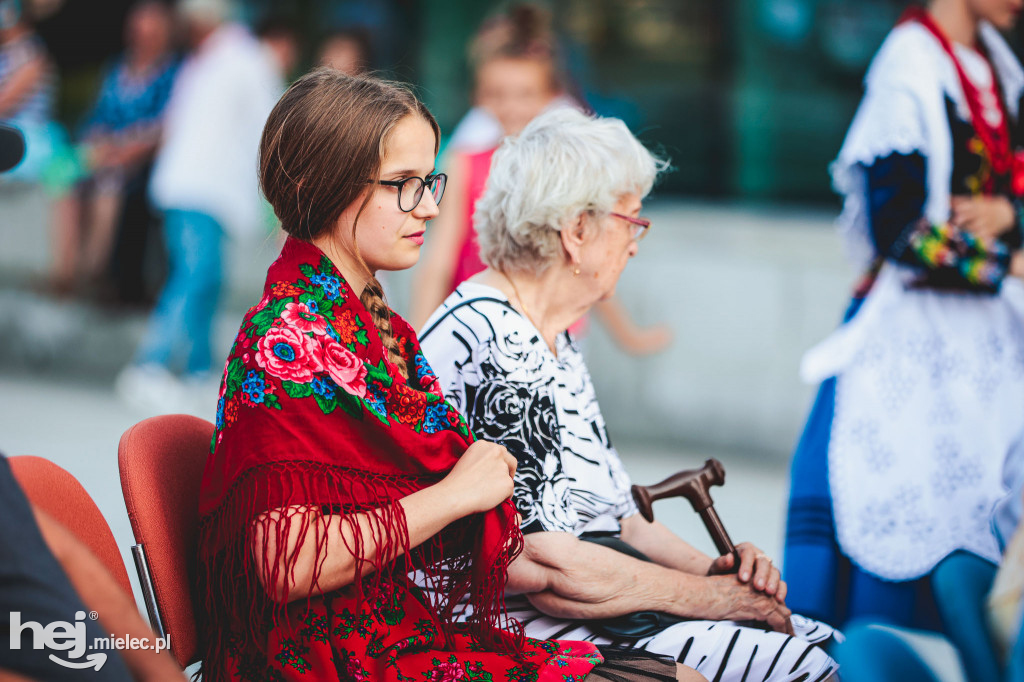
[427,209]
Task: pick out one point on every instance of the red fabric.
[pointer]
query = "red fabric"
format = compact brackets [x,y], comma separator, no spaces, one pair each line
[59,494]
[161,463]
[312,413]
[468,263]
[996,139]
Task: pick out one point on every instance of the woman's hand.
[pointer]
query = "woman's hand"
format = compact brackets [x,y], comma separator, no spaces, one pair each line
[1017,264]
[755,568]
[982,216]
[726,598]
[482,478]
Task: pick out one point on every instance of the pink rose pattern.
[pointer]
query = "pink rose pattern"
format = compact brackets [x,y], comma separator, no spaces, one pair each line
[288,354]
[450,671]
[290,347]
[299,316]
[344,366]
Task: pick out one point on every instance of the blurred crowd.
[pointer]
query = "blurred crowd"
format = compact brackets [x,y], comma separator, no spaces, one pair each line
[161,164]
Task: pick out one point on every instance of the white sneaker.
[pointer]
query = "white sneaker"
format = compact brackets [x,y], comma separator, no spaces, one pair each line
[151,389]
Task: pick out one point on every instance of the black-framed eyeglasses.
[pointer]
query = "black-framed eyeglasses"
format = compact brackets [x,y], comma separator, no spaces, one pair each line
[410,190]
[640,225]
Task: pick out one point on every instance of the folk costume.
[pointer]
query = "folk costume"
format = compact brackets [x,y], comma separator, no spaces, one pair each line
[901,460]
[313,417]
[497,369]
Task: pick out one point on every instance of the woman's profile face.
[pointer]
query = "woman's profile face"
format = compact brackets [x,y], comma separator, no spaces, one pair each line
[515,91]
[604,258]
[388,238]
[1001,13]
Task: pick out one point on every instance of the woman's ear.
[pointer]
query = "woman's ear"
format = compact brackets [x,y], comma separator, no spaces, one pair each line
[574,236]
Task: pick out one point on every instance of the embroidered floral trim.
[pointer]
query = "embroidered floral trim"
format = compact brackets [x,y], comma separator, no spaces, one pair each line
[942,246]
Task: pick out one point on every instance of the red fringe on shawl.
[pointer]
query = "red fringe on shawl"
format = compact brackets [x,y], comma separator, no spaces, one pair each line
[236,604]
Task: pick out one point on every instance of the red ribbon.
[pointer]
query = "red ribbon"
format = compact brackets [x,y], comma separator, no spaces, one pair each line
[996,139]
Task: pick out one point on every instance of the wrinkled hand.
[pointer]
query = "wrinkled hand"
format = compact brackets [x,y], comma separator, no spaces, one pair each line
[729,599]
[983,216]
[755,568]
[482,478]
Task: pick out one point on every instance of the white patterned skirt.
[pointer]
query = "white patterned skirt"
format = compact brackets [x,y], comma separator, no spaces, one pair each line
[721,651]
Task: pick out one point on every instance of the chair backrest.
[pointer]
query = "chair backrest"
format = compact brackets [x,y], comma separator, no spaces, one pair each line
[59,494]
[161,462]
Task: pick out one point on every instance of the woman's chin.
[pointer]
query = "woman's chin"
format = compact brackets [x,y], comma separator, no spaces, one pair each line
[403,260]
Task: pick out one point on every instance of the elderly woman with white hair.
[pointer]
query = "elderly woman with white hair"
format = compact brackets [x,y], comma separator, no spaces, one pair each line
[557,224]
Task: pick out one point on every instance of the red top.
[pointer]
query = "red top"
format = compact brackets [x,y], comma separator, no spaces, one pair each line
[468,262]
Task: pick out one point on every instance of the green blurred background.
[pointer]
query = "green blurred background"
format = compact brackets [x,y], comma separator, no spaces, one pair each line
[750,98]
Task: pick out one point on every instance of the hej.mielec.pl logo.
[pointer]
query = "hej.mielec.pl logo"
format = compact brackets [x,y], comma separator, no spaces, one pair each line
[58,636]
[72,640]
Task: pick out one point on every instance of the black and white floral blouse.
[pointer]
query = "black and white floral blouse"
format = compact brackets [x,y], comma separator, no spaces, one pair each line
[495,367]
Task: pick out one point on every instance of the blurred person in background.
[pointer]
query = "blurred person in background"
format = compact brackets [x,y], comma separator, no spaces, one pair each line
[118,141]
[919,409]
[204,182]
[517,76]
[558,223]
[28,84]
[348,50]
[47,576]
[281,41]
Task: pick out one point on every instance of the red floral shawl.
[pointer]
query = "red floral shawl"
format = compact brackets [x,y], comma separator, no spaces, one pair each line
[312,413]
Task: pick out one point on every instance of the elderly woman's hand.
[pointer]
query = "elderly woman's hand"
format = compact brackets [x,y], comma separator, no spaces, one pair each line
[729,599]
[755,568]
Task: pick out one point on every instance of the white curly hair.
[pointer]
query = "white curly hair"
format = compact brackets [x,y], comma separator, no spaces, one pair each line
[564,163]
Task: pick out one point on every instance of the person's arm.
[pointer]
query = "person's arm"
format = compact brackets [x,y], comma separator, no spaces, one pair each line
[668,549]
[432,277]
[100,592]
[565,577]
[136,149]
[948,257]
[627,335]
[19,84]
[663,546]
[481,480]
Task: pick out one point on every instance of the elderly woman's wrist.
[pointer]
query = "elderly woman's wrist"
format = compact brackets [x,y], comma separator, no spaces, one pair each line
[685,596]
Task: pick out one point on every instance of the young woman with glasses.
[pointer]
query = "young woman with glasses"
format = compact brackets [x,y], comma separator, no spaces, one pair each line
[338,469]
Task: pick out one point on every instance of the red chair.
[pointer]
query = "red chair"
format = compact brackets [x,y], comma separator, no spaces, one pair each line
[59,494]
[161,462]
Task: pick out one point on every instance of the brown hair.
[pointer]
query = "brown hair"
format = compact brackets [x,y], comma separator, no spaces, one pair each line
[523,31]
[324,139]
